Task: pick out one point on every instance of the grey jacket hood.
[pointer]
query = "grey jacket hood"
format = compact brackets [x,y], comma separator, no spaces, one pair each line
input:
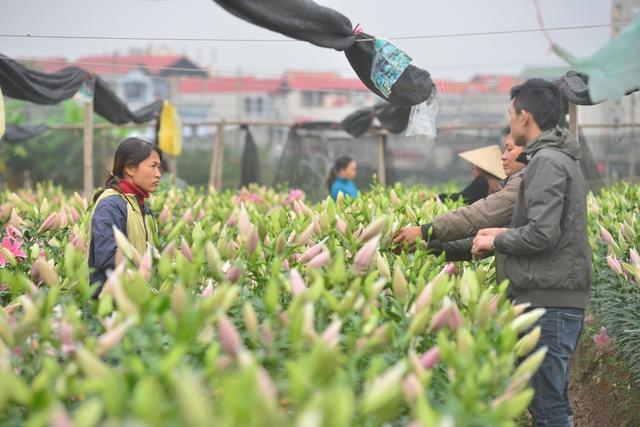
[559,139]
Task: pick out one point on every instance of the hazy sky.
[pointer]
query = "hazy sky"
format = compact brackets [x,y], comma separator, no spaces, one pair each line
[444,57]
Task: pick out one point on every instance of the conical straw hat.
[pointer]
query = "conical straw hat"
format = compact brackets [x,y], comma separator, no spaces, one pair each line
[486,158]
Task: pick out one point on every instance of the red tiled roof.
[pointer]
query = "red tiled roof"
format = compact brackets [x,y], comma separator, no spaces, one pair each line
[481,84]
[228,84]
[322,81]
[46,65]
[124,64]
[110,64]
[293,80]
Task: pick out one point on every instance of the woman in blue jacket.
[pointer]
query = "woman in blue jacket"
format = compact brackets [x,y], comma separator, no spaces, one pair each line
[341,178]
[135,174]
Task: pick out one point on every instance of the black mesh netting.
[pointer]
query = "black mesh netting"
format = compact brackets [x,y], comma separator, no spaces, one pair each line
[309,154]
[250,160]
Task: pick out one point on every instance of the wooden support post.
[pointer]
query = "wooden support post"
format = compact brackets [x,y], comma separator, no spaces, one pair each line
[88,149]
[382,173]
[215,157]
[632,154]
[220,163]
[573,120]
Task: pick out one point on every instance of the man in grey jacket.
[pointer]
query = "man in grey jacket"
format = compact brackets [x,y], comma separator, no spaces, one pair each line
[548,257]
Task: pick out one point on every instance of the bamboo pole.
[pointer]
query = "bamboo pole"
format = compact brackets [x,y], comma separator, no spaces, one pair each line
[215,156]
[632,156]
[88,148]
[382,173]
[573,120]
[220,164]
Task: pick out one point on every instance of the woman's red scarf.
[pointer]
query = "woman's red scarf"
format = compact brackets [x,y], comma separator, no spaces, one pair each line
[129,188]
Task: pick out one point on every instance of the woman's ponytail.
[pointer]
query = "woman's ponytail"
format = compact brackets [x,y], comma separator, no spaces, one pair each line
[332,178]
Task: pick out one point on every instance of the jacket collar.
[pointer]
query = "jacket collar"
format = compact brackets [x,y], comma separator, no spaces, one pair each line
[559,139]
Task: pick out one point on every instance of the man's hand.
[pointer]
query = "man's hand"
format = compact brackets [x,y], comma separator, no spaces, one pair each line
[483,242]
[493,232]
[482,247]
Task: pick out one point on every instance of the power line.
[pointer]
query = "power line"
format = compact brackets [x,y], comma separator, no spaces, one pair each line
[234,40]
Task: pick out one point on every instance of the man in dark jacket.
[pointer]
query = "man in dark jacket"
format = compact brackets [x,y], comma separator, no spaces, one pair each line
[548,257]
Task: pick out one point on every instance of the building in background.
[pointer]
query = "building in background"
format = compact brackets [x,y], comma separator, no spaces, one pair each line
[623,12]
[138,78]
[204,94]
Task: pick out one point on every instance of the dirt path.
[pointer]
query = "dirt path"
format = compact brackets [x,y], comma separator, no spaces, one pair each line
[603,394]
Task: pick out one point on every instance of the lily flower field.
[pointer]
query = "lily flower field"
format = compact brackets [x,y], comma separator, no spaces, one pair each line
[256,308]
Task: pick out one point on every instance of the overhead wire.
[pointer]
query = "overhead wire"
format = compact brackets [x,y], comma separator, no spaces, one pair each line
[285,40]
[280,75]
[283,75]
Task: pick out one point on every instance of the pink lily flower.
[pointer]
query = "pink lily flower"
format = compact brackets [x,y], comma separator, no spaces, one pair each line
[364,256]
[615,265]
[319,260]
[13,248]
[188,216]
[186,250]
[14,233]
[449,269]
[244,225]
[298,284]
[296,194]
[164,215]
[229,336]
[341,226]
[603,341]
[430,358]
[606,235]
[312,251]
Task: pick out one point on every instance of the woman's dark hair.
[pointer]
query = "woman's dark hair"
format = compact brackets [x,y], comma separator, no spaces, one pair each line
[341,163]
[130,152]
[506,131]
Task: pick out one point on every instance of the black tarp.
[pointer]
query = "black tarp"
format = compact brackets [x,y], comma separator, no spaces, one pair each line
[575,88]
[15,134]
[359,122]
[298,19]
[324,27]
[392,118]
[250,160]
[20,82]
[413,87]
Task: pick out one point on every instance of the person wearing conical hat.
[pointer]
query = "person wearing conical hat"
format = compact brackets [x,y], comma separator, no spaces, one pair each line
[487,175]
